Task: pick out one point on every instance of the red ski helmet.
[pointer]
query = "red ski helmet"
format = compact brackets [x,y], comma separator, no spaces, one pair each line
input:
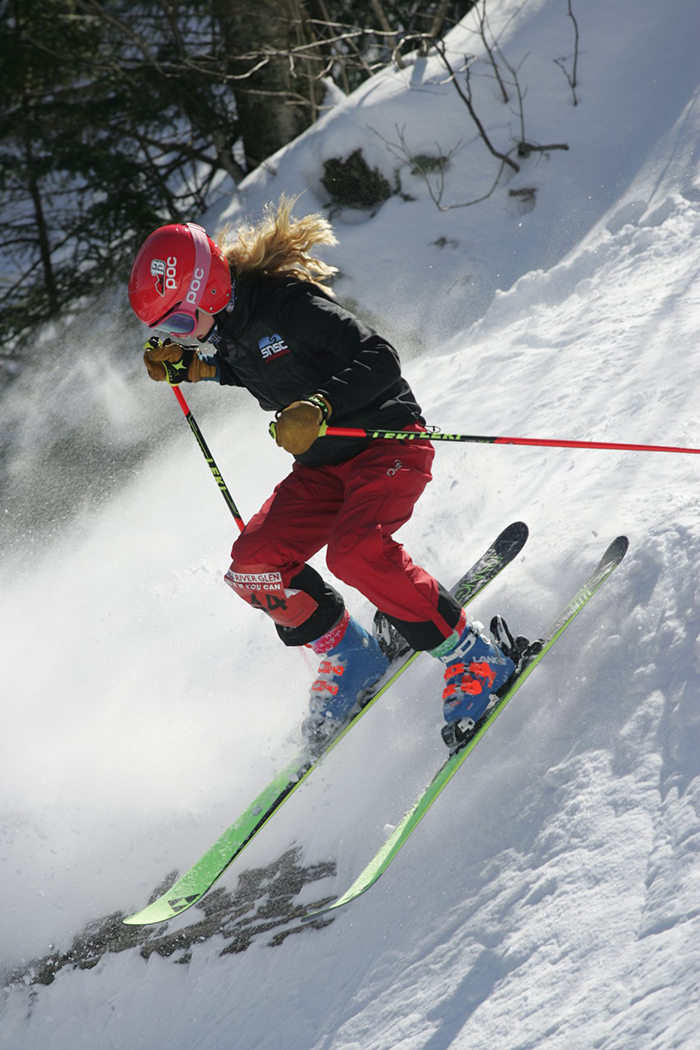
[177,271]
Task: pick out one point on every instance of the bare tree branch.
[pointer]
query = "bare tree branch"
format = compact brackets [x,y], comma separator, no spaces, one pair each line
[435,27]
[92,7]
[402,151]
[467,99]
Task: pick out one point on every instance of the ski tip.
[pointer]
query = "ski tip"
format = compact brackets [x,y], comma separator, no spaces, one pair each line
[149,916]
[517,530]
[162,909]
[611,559]
[319,913]
[511,541]
[617,549]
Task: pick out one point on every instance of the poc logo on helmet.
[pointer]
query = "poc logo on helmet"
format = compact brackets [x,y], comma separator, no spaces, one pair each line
[195,285]
[165,273]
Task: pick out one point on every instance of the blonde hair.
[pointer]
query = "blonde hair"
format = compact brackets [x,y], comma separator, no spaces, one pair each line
[280,245]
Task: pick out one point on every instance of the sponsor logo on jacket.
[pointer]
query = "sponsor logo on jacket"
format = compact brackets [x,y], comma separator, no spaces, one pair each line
[273,346]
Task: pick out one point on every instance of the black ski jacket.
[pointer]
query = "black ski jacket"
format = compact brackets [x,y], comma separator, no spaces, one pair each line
[285,340]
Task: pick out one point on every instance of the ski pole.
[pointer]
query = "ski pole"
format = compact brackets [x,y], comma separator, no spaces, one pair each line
[173,378]
[208,456]
[434,434]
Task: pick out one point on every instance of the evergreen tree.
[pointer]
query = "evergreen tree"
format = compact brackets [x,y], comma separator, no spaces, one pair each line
[119,115]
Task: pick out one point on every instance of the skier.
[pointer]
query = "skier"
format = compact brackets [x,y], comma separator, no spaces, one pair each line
[259,299]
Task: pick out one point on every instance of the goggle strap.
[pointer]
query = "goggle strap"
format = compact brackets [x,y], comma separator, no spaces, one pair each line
[202,259]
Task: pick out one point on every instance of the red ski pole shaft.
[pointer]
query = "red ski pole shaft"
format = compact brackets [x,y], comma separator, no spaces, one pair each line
[418,435]
[216,473]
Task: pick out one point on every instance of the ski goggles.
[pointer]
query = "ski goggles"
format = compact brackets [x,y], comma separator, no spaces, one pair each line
[182,319]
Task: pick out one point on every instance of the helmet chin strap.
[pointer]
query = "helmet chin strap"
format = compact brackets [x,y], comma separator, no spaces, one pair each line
[214,336]
[205,338]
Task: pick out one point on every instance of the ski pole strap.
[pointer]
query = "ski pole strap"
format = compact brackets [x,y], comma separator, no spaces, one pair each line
[321,405]
[435,434]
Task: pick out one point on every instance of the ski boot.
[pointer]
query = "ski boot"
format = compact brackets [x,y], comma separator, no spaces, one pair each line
[352,664]
[476,669]
[391,643]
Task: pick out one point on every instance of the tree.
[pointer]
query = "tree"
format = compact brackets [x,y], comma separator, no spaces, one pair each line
[33,123]
[119,115]
[275,68]
[108,129]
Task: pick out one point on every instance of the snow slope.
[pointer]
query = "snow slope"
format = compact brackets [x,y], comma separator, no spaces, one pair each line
[551,898]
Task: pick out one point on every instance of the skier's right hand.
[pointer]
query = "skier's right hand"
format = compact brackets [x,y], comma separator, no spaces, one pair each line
[174,363]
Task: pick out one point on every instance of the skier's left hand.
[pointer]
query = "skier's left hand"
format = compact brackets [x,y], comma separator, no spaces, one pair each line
[297,427]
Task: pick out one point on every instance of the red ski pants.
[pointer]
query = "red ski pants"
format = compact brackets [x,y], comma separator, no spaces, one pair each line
[354,508]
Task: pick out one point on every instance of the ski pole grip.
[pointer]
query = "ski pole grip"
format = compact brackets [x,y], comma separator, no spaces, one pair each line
[272,430]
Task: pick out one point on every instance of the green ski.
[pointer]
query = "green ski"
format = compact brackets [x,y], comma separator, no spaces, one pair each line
[383,858]
[192,886]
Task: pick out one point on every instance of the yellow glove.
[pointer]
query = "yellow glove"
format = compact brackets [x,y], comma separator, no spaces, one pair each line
[176,364]
[298,425]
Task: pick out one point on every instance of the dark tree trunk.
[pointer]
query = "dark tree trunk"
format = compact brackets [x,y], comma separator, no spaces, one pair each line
[276,101]
[41,228]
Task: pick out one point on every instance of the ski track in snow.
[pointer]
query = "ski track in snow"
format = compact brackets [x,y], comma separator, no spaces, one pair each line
[552,897]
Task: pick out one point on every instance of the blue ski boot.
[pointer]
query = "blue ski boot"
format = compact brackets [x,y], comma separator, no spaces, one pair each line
[352,663]
[475,670]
